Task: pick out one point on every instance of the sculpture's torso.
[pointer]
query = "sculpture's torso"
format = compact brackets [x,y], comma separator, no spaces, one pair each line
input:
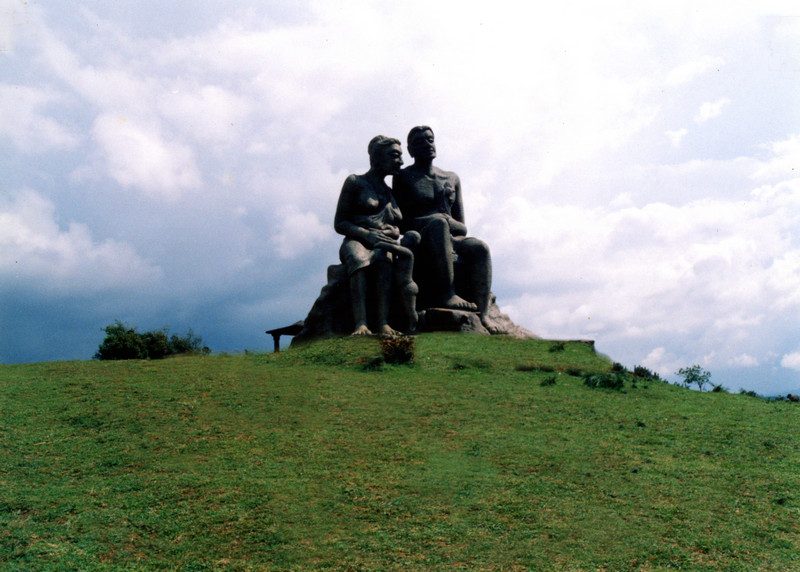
[419,194]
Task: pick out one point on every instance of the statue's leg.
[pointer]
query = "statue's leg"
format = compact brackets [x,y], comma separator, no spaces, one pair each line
[358,298]
[403,271]
[383,284]
[476,255]
[439,243]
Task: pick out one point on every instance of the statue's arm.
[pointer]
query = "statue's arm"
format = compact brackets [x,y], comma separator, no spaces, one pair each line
[345,210]
[457,226]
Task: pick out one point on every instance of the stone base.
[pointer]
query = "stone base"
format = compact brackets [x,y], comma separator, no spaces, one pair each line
[446,320]
[331,315]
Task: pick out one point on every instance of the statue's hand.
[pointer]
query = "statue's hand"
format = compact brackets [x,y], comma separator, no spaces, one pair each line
[375,237]
[392,232]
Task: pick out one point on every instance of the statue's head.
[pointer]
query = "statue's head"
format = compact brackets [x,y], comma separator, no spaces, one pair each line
[385,153]
[421,142]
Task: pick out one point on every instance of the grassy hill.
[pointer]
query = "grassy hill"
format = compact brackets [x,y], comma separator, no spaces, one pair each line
[485,454]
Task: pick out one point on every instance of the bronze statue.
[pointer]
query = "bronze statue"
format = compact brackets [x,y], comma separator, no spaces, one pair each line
[368,216]
[377,281]
[453,270]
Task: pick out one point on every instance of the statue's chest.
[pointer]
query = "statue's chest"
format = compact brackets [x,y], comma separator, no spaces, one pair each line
[377,202]
[368,204]
[369,201]
[426,189]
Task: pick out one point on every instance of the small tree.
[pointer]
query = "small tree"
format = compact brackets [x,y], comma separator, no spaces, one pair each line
[694,375]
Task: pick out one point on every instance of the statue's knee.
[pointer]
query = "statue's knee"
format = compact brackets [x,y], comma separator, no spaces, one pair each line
[439,223]
[475,247]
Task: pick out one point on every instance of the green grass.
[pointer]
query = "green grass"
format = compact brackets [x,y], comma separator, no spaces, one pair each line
[321,458]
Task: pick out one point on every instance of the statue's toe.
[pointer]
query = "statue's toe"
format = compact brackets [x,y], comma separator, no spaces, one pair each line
[458,303]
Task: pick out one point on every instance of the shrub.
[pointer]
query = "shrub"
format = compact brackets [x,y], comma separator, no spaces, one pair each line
[463,363]
[534,367]
[643,372]
[605,380]
[189,344]
[157,344]
[549,380]
[557,347]
[615,379]
[123,342]
[618,368]
[398,349]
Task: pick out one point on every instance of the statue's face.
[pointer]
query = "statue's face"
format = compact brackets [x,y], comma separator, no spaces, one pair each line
[391,159]
[422,145]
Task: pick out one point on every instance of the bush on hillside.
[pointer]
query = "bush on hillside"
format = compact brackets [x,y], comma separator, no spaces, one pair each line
[123,342]
[643,372]
[614,380]
[398,349]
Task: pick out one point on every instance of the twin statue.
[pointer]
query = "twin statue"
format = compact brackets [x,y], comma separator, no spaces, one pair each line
[451,270]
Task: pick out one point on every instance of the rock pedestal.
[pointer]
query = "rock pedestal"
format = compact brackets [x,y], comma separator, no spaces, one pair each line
[332,315]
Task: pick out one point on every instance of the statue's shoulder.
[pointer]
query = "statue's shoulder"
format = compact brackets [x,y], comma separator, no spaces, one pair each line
[353,182]
[405,174]
[403,181]
[445,175]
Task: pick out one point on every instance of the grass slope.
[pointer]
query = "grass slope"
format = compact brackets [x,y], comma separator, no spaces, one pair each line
[464,460]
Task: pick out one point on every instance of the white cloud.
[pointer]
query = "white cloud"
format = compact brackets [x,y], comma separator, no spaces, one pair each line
[688,71]
[114,87]
[661,361]
[791,361]
[783,162]
[783,47]
[13,15]
[710,110]
[298,232]
[675,137]
[138,155]
[709,275]
[209,114]
[745,360]
[23,120]
[36,253]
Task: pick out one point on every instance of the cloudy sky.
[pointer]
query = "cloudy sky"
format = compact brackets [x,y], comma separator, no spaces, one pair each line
[633,167]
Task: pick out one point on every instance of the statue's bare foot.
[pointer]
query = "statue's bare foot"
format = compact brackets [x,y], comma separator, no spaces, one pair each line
[362,330]
[493,328]
[385,330]
[458,303]
[413,322]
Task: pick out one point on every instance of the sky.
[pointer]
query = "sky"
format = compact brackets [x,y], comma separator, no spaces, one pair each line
[633,167]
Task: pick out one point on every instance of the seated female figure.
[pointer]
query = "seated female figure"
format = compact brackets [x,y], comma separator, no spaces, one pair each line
[367,216]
